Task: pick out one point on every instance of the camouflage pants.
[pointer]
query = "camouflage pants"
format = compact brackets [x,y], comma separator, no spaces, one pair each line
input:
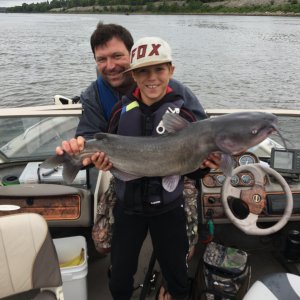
[190,194]
[102,229]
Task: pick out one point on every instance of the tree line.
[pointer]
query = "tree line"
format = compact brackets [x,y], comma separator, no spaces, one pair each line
[152,6]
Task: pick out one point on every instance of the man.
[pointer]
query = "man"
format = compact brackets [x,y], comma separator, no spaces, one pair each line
[111,45]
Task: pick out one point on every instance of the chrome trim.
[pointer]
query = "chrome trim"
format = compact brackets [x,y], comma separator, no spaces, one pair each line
[278,112]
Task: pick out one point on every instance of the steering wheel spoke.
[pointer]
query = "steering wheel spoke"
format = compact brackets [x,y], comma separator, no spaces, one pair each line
[233,192]
[249,223]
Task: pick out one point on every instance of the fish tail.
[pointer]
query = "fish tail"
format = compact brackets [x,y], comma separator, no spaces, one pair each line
[70,171]
[71,166]
[54,161]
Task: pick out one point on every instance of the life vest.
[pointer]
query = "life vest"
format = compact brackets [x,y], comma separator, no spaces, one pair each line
[107,97]
[147,191]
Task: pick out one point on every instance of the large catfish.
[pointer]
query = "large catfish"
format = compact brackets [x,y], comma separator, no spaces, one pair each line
[176,153]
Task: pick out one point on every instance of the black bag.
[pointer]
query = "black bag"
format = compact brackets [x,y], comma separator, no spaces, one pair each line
[223,274]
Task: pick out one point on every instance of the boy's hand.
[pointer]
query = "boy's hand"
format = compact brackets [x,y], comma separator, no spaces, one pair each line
[212,161]
[101,161]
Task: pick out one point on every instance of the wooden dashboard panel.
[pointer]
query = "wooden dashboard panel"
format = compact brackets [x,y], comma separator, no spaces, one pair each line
[65,207]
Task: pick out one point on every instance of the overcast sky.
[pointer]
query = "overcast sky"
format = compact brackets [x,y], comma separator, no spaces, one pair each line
[8,3]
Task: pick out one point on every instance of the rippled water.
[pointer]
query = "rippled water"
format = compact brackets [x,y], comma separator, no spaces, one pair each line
[228,61]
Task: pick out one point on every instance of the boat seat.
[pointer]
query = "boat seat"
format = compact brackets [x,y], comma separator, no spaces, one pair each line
[277,286]
[28,259]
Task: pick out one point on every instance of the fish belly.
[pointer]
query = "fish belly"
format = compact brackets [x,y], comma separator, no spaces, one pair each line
[155,157]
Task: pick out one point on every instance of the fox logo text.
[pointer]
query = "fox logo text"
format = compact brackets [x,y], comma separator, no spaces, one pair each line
[141,51]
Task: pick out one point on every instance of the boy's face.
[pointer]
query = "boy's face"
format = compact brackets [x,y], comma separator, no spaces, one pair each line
[153,81]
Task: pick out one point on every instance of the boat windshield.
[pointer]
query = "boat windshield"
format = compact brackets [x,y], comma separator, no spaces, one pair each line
[33,137]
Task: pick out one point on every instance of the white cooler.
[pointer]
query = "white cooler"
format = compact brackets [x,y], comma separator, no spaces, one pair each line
[74,278]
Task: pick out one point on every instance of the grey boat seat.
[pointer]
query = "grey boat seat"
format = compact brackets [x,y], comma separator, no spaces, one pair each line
[28,259]
[276,286]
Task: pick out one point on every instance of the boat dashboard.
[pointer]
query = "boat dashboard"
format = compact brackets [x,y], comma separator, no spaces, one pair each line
[31,136]
[212,184]
[61,205]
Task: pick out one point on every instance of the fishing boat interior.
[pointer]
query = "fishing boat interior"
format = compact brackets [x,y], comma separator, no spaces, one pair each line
[247,225]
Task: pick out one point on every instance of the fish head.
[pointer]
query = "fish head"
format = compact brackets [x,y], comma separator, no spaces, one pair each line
[237,132]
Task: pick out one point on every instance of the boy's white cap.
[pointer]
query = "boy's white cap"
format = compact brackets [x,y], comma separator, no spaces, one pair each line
[149,51]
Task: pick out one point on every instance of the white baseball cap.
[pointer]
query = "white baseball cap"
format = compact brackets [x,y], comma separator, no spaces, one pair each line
[149,51]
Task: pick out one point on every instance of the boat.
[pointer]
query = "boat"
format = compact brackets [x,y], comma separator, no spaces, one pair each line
[266,177]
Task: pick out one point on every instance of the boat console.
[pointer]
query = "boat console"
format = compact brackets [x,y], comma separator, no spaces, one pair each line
[285,162]
[26,189]
[32,137]
[60,205]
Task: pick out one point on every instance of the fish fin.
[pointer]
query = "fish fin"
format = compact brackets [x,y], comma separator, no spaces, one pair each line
[53,161]
[173,122]
[170,183]
[70,165]
[226,164]
[122,175]
[70,171]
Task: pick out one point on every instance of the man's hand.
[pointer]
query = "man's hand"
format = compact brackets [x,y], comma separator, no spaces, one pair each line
[72,147]
[212,161]
[76,145]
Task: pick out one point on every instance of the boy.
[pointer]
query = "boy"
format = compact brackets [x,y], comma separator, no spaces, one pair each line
[143,204]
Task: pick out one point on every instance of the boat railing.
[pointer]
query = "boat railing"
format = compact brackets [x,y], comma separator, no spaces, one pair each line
[44,110]
[278,112]
[76,109]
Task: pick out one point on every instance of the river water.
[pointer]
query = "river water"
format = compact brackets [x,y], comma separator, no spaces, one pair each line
[228,61]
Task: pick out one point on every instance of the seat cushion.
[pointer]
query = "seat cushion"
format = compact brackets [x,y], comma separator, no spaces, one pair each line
[275,286]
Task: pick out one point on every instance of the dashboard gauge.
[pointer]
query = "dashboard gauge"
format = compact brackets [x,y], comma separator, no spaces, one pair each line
[246,159]
[246,178]
[220,179]
[234,180]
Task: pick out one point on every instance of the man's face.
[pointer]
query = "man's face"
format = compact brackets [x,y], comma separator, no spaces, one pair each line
[112,60]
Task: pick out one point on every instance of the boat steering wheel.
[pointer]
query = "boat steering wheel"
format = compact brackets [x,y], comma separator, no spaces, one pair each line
[255,199]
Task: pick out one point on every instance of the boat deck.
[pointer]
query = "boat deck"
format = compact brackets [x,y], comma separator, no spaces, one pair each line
[264,253]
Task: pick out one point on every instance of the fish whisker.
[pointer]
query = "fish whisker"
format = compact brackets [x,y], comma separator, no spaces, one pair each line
[278,133]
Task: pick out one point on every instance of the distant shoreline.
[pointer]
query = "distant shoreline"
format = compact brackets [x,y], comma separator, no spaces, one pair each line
[287,8]
[170,7]
[79,11]
[89,10]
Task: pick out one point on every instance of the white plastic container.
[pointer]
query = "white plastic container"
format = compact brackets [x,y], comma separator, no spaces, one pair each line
[30,175]
[74,278]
